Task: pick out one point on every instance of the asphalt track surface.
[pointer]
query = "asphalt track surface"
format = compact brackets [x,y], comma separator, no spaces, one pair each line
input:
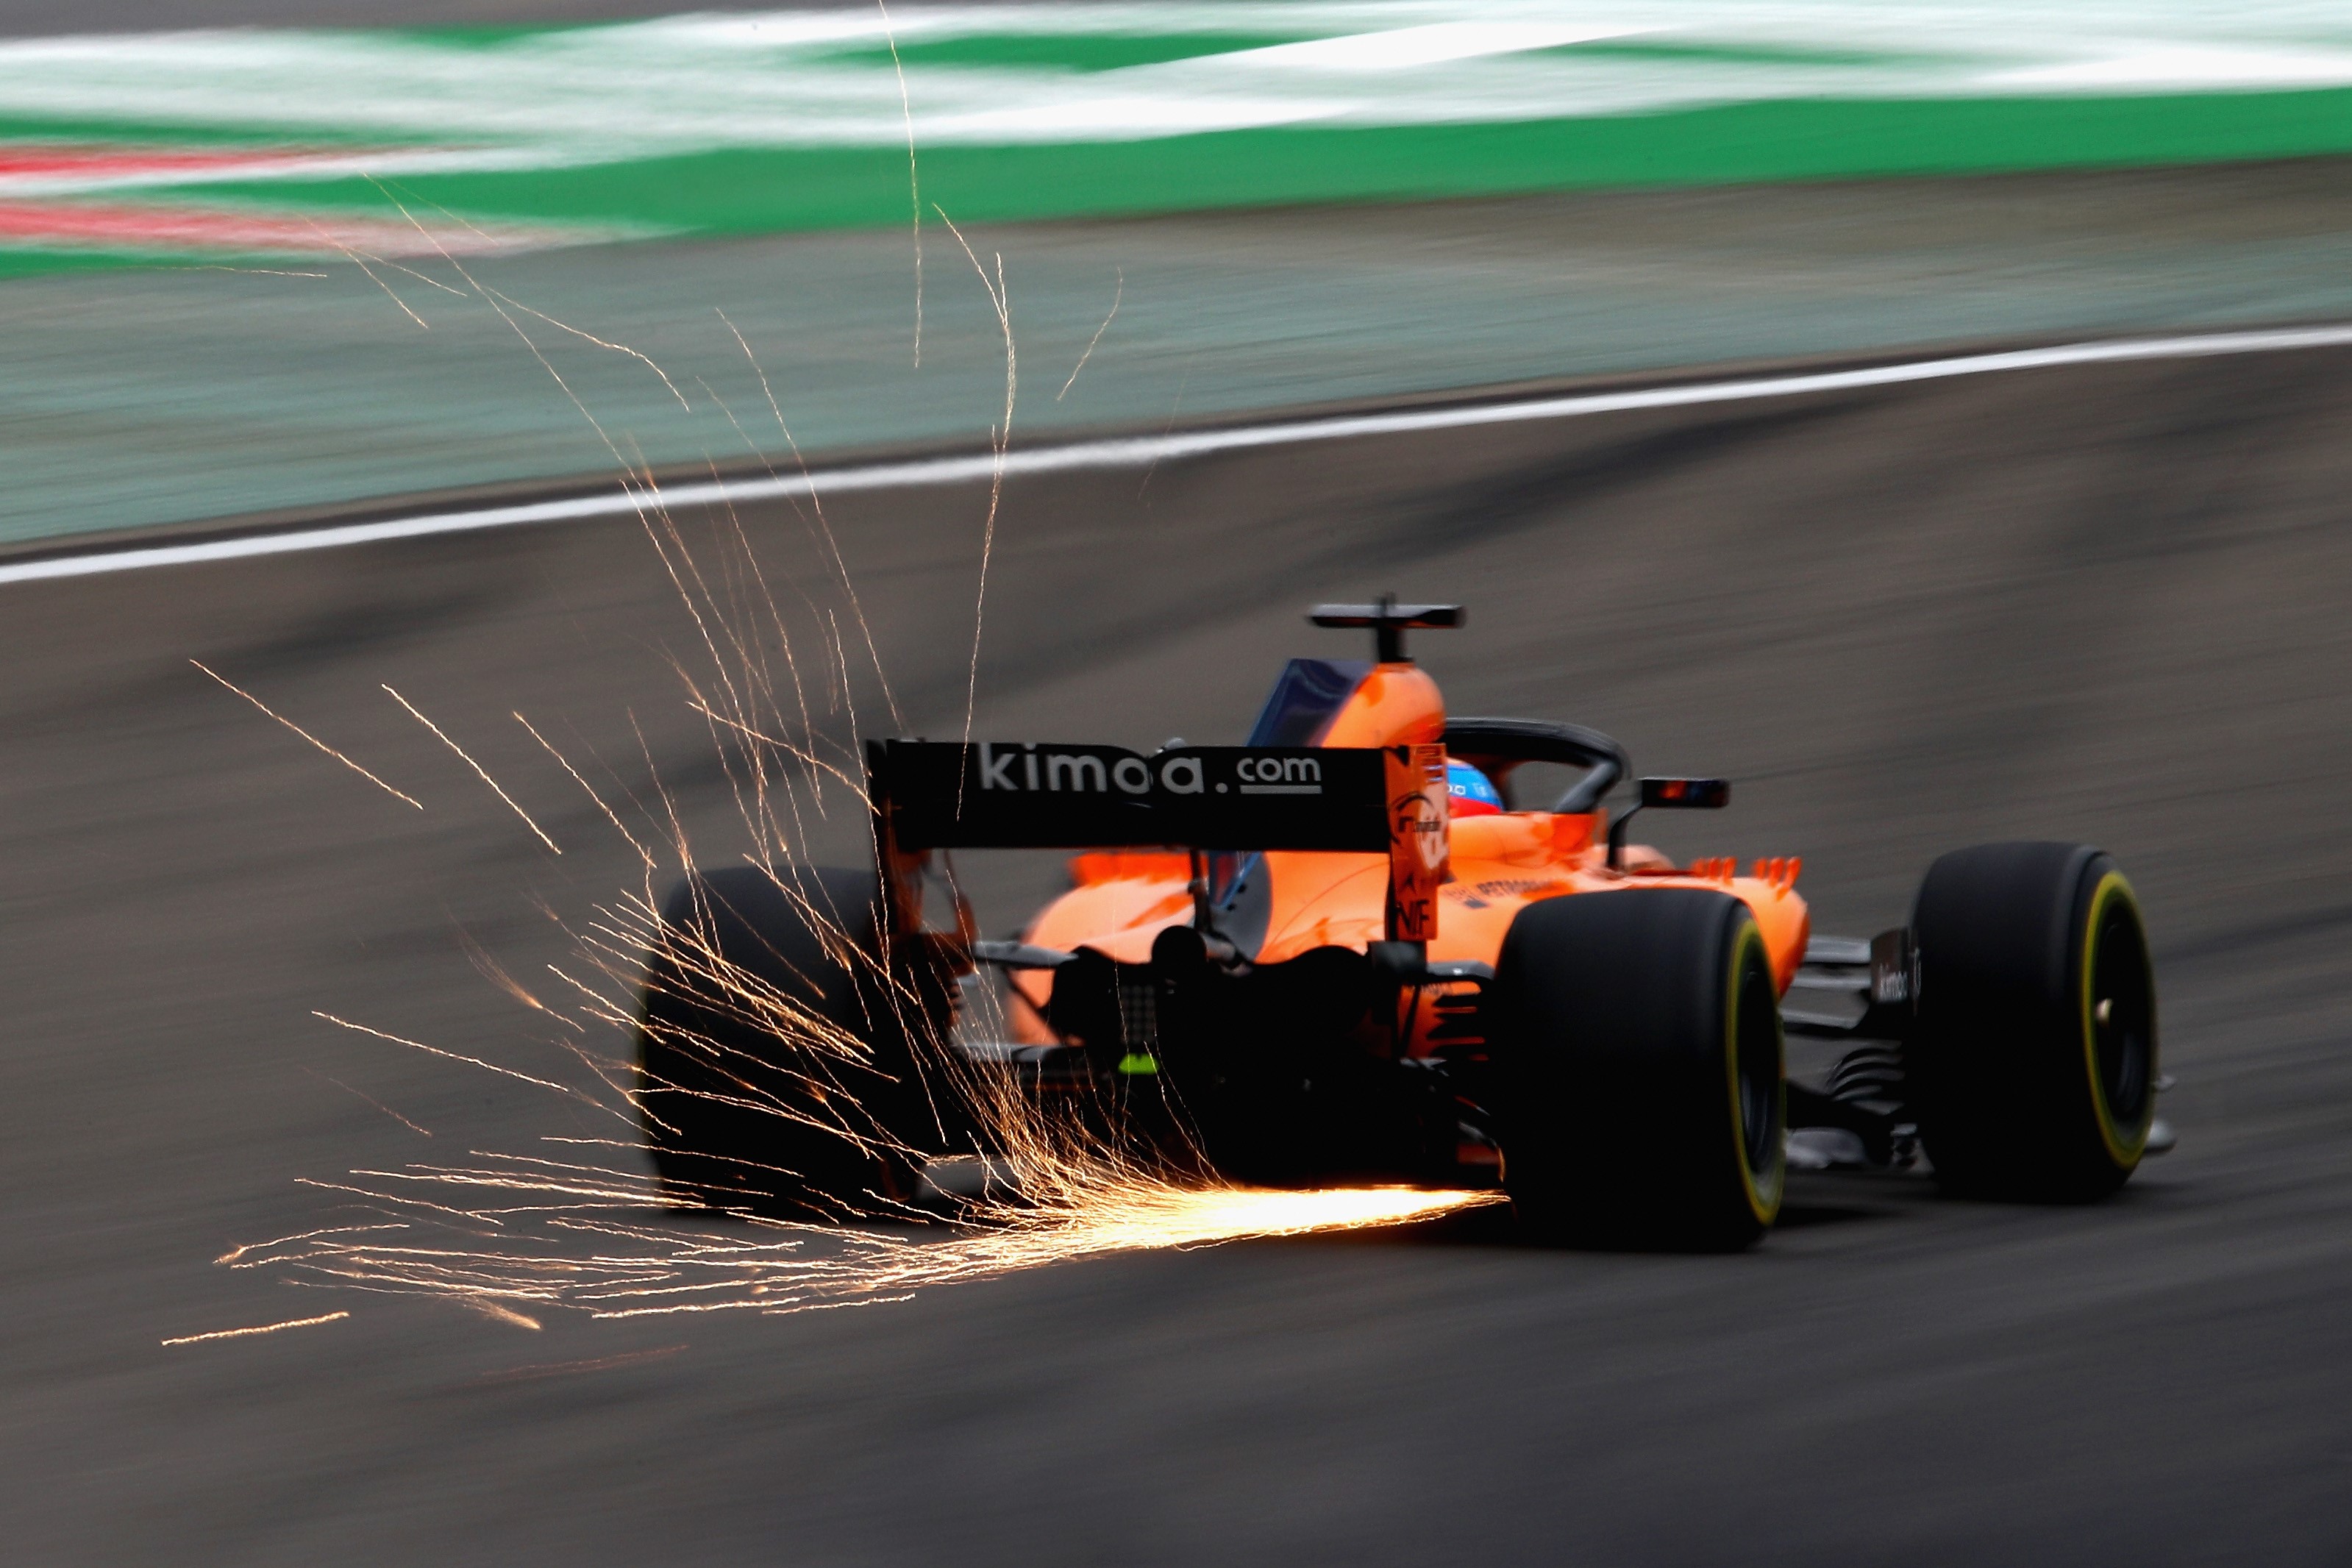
[2103,603]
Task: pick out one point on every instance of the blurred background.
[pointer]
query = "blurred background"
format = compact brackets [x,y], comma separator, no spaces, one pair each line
[270,264]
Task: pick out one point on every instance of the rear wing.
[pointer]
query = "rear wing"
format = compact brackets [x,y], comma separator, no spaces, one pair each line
[994,794]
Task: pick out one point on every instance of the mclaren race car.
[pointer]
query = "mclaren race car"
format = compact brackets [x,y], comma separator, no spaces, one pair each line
[1351,950]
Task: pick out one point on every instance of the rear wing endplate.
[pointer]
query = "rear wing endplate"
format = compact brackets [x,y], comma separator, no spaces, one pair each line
[992,794]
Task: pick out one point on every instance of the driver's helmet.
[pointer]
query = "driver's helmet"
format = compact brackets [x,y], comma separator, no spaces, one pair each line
[1469,791]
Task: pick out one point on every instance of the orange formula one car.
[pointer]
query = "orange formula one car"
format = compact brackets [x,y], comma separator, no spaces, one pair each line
[1347,950]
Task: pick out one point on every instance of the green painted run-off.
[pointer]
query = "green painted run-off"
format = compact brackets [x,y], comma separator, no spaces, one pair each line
[758,190]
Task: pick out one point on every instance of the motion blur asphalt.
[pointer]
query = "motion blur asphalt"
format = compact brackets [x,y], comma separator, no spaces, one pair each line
[2095,603]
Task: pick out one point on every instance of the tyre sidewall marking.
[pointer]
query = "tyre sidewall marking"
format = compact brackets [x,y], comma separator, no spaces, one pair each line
[2124,1152]
[1764,1205]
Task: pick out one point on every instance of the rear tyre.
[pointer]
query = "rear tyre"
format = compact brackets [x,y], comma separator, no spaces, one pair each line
[2034,1059]
[1640,1091]
[789,1088]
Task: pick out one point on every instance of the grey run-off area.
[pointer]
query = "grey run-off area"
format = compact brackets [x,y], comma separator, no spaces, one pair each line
[138,399]
[2102,602]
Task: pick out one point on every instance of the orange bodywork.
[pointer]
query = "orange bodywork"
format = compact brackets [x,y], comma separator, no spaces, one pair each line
[1500,863]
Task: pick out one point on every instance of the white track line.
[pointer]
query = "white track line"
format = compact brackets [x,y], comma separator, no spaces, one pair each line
[1129,452]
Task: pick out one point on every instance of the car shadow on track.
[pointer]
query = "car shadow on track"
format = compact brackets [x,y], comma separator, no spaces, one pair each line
[1815,1203]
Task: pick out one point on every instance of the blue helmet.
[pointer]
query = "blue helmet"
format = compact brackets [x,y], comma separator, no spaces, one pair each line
[1469,791]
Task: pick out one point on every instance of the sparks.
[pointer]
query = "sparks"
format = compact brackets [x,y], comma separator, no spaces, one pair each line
[480,771]
[306,734]
[1117,295]
[492,1309]
[513,1237]
[372,1100]
[259,1328]
[625,1260]
[1000,441]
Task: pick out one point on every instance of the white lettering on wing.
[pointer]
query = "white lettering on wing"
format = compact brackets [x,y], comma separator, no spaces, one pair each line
[1060,766]
[993,769]
[1181,776]
[1255,771]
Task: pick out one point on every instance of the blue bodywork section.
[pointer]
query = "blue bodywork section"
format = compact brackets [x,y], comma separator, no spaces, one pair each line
[1305,698]
[1304,701]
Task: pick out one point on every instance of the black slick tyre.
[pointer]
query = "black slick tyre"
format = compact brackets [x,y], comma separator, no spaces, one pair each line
[1639,1072]
[777,1063]
[2032,1061]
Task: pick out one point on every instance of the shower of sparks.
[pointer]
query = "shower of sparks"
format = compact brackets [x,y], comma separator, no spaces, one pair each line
[306,734]
[437,1051]
[259,1328]
[999,438]
[1117,295]
[359,260]
[819,526]
[591,337]
[610,816]
[513,1235]
[480,771]
[372,1100]
[497,1314]
[609,1249]
[586,1227]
